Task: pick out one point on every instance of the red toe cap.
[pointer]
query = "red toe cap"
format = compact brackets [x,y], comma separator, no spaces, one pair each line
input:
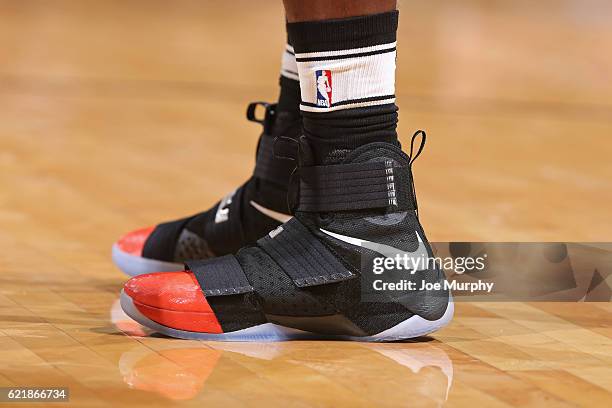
[133,242]
[173,299]
[178,291]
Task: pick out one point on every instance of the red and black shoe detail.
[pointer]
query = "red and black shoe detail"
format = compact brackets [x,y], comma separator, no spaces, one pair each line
[307,276]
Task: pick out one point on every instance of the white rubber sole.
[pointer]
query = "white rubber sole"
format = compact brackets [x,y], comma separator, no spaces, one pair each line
[415,326]
[133,265]
[262,332]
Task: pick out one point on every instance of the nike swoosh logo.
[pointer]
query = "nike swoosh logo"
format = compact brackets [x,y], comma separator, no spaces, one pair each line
[222,213]
[275,215]
[386,250]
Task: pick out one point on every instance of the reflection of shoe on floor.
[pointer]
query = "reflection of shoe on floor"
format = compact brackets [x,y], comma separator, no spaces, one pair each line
[177,374]
[419,358]
[416,372]
[261,351]
[180,373]
[126,324]
[314,273]
[240,218]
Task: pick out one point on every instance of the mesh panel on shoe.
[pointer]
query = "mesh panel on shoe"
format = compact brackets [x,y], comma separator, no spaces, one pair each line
[191,246]
[278,294]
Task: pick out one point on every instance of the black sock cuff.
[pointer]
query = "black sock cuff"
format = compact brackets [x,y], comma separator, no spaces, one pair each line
[349,129]
[345,33]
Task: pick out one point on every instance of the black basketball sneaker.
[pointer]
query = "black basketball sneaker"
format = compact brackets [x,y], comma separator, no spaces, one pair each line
[353,264]
[240,218]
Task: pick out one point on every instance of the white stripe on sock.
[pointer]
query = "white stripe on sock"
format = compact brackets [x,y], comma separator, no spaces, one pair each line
[352,79]
[289,67]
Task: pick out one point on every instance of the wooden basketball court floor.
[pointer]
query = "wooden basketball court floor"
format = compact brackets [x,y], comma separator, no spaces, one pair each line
[120,114]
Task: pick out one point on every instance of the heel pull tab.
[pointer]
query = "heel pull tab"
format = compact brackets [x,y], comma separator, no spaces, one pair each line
[423,135]
[413,157]
[269,111]
[251,112]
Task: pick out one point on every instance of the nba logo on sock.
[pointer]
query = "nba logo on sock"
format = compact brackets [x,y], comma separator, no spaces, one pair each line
[324,88]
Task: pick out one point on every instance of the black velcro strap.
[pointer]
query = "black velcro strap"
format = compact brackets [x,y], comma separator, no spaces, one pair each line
[220,276]
[355,186]
[161,243]
[271,168]
[302,256]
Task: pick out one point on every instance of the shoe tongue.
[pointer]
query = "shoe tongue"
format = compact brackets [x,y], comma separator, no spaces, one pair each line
[320,154]
[371,151]
[336,156]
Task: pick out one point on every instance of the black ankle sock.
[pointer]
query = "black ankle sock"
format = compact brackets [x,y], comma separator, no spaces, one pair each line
[347,79]
[289,97]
